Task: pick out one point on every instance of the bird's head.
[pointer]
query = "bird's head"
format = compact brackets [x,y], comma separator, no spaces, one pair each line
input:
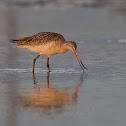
[72,46]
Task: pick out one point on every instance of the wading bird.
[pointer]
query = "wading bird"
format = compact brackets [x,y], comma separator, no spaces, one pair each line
[48,43]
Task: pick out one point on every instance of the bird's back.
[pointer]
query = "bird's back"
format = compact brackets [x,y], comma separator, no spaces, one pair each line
[40,38]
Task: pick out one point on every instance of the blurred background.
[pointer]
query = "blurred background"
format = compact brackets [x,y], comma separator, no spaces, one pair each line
[76,19]
[66,96]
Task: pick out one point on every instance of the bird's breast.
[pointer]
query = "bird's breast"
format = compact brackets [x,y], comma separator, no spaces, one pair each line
[47,49]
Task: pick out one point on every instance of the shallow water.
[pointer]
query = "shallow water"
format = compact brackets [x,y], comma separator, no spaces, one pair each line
[66,96]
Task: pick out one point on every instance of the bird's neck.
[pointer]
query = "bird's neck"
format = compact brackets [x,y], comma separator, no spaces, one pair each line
[63,48]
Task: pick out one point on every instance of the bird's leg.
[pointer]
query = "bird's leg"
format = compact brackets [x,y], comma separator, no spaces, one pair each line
[34,79]
[48,64]
[34,62]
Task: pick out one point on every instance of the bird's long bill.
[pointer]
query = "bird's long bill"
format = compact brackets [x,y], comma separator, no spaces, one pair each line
[79,60]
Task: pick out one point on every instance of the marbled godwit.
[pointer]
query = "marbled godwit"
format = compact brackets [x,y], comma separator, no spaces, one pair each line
[48,43]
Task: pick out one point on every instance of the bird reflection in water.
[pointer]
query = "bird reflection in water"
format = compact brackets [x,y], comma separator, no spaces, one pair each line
[50,100]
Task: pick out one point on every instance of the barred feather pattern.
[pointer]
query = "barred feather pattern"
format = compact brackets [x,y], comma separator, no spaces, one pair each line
[40,38]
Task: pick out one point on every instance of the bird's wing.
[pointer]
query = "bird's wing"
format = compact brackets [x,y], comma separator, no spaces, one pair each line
[44,37]
[40,38]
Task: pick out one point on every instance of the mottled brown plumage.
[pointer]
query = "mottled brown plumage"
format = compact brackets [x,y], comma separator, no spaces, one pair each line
[40,38]
[47,43]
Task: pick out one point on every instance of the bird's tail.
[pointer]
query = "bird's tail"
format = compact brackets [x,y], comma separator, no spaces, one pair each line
[13,40]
